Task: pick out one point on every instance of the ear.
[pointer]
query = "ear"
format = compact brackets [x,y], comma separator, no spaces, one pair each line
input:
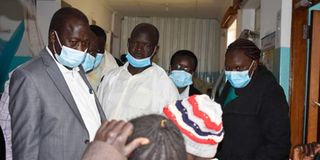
[156,49]
[128,43]
[256,64]
[52,37]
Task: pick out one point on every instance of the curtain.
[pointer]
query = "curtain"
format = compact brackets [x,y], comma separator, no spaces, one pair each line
[32,29]
[200,36]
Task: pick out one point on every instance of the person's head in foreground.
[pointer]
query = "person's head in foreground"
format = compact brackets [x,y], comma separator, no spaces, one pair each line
[166,141]
[199,119]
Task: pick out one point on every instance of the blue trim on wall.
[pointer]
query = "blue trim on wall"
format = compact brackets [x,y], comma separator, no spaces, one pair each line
[15,62]
[18,60]
[281,68]
[284,69]
[7,51]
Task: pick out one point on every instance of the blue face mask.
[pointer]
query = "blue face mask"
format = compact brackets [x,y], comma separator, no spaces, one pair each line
[99,57]
[239,79]
[138,63]
[88,63]
[69,57]
[181,78]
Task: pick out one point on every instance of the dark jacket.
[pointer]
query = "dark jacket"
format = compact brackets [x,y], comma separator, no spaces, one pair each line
[256,123]
[194,91]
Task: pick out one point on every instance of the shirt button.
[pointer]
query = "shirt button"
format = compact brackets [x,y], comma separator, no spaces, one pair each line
[86,141]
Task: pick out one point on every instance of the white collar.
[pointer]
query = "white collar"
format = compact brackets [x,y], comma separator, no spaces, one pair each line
[185,93]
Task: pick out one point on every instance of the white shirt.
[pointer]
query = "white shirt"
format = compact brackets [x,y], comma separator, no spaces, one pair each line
[107,63]
[124,96]
[83,97]
[185,93]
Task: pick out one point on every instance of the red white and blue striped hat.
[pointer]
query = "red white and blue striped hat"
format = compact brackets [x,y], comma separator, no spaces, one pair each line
[200,121]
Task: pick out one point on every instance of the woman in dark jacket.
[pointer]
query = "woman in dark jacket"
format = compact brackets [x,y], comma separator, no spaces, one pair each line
[255,110]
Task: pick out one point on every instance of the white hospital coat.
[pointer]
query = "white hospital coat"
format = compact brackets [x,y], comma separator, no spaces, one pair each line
[107,63]
[124,96]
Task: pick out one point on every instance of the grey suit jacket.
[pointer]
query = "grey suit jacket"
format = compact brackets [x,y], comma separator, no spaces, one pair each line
[46,123]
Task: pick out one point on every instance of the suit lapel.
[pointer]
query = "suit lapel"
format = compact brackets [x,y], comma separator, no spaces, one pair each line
[59,81]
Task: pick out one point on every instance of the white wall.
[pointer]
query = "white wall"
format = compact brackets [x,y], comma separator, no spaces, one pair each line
[245,20]
[116,28]
[95,10]
[45,11]
[269,9]
[104,16]
[286,20]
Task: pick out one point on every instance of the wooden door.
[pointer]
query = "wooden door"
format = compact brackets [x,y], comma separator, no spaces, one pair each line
[314,77]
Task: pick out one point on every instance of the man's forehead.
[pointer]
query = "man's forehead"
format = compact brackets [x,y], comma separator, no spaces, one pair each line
[71,28]
[183,59]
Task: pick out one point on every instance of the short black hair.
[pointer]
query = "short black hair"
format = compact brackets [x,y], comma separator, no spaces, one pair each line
[150,29]
[249,48]
[61,17]
[166,141]
[98,31]
[185,53]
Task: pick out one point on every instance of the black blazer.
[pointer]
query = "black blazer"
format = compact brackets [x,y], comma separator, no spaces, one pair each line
[256,123]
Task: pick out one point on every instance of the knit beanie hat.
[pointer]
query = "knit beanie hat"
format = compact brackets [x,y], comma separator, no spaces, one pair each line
[199,119]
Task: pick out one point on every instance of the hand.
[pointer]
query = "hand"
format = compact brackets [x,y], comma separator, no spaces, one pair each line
[116,134]
[306,151]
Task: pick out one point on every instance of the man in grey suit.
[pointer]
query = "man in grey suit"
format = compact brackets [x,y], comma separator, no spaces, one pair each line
[54,110]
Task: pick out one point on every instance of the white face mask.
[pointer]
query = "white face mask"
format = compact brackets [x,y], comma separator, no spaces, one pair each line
[69,57]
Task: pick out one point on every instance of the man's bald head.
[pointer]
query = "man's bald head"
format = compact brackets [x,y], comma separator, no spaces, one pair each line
[149,30]
[63,16]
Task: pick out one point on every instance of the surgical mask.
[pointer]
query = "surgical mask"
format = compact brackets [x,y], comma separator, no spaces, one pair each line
[88,63]
[239,79]
[70,57]
[181,78]
[99,57]
[138,63]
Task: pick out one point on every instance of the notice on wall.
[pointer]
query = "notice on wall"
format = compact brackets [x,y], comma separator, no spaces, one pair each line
[268,50]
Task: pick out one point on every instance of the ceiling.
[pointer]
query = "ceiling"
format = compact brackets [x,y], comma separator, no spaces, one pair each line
[171,8]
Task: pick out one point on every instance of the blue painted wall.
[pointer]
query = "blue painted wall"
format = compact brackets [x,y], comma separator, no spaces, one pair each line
[8,50]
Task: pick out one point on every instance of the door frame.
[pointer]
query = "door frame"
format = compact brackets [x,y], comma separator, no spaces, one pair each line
[297,90]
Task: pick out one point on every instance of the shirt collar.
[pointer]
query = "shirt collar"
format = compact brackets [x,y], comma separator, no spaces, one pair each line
[185,93]
[125,67]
